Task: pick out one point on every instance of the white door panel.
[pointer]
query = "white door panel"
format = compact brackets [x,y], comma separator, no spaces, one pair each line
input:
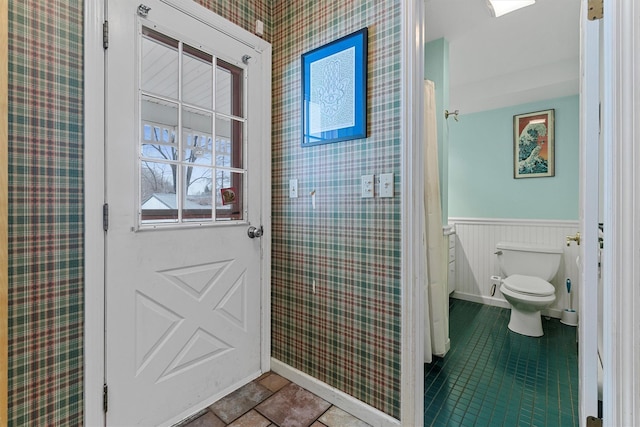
[589,208]
[183,295]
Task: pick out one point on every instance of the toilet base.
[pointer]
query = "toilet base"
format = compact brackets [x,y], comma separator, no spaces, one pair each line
[527,323]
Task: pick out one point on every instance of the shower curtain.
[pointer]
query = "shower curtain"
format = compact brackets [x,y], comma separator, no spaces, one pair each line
[434,242]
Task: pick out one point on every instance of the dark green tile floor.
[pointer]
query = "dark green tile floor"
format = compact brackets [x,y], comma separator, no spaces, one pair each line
[495,377]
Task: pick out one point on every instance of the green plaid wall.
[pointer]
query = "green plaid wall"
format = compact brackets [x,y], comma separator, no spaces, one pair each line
[45,212]
[348,333]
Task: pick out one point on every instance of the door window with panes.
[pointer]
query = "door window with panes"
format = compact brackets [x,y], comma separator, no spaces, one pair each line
[191,165]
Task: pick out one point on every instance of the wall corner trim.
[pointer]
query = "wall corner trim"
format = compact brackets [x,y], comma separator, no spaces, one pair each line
[412,137]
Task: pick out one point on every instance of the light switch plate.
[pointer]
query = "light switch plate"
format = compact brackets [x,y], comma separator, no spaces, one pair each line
[386,185]
[293,188]
[367,186]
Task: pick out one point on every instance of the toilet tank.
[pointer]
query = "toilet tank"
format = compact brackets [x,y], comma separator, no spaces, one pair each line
[529,259]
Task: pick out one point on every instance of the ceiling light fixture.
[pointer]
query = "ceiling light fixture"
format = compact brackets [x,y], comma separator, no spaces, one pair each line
[502,7]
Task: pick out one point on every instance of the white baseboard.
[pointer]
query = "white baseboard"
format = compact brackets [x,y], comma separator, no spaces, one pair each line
[497,302]
[350,404]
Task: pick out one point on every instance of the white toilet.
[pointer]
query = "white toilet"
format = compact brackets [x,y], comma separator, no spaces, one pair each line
[528,269]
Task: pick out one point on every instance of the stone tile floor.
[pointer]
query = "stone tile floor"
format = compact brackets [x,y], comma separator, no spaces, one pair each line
[272,400]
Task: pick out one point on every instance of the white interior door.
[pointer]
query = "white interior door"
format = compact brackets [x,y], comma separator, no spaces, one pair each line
[183,185]
[589,214]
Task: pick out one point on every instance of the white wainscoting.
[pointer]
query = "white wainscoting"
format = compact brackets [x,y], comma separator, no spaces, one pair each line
[476,261]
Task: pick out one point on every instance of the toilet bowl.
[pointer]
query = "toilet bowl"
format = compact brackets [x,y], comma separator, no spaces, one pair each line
[527,295]
[528,269]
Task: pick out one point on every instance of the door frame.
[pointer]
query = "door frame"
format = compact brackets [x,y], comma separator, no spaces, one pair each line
[621,272]
[94,121]
[412,137]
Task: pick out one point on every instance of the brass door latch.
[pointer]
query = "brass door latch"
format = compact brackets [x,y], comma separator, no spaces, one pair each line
[575,238]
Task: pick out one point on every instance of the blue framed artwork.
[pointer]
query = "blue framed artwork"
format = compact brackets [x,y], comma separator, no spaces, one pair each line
[334,91]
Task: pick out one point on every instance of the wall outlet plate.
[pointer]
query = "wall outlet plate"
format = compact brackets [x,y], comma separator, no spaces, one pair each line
[367,186]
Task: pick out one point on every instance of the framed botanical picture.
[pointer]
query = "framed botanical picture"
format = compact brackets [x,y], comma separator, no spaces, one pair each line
[534,145]
[334,91]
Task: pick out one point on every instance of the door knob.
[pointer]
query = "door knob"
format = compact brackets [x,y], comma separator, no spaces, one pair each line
[254,232]
[575,238]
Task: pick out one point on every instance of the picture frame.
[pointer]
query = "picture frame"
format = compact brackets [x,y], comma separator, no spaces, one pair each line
[334,91]
[534,144]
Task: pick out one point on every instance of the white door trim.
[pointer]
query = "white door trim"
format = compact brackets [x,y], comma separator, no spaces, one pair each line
[94,125]
[412,305]
[265,193]
[589,210]
[94,198]
[621,109]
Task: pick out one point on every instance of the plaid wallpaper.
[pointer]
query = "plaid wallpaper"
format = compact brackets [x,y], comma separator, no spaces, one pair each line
[243,13]
[347,333]
[45,212]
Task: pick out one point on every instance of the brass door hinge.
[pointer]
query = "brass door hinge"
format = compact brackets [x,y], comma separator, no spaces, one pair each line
[596,10]
[594,422]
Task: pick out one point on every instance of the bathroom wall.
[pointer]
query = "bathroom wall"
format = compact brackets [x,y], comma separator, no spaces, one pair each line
[481,183]
[347,332]
[46,254]
[436,69]
[488,205]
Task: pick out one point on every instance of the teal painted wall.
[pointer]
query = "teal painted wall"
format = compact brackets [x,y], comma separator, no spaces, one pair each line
[436,69]
[481,183]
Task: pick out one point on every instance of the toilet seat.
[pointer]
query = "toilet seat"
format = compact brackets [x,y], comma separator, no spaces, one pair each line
[529,285]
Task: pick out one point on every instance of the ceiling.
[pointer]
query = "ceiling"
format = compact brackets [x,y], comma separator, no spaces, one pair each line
[528,55]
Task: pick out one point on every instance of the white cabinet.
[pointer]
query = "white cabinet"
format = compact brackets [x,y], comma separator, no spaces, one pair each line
[449,231]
